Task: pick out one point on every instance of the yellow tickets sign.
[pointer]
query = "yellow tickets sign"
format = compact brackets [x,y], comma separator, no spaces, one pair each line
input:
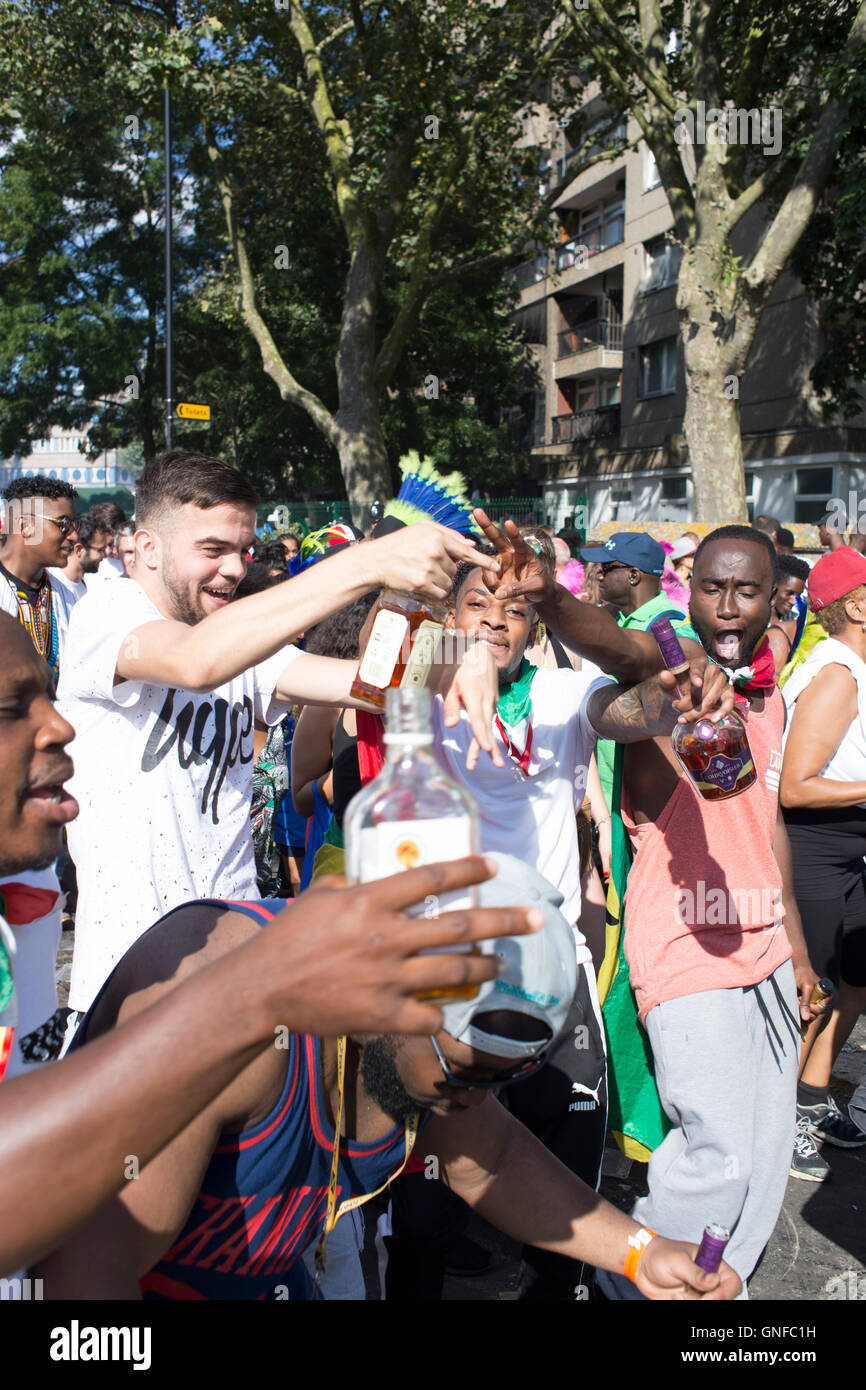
[188,411]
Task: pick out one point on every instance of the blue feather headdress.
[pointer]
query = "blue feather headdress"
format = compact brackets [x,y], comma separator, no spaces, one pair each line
[425,495]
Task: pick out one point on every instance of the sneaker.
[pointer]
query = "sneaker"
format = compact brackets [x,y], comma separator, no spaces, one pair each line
[807,1163]
[827,1122]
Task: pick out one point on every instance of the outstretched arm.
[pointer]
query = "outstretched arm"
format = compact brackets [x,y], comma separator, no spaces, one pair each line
[592,632]
[202,656]
[515,1183]
[653,708]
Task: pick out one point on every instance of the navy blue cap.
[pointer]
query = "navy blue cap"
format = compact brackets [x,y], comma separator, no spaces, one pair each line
[633,548]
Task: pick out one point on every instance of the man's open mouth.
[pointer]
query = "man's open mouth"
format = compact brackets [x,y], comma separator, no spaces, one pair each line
[222,594]
[52,801]
[728,643]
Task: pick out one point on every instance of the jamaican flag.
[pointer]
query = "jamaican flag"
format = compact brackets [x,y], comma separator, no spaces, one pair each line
[635,1114]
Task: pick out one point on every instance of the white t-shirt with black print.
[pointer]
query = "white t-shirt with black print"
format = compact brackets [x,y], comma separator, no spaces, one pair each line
[163,777]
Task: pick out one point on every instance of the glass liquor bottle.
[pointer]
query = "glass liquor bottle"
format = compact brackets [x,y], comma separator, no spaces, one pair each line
[715,756]
[412,814]
[401,647]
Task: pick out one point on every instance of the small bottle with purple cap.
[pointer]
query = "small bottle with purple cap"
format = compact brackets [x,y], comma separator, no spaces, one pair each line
[715,756]
[712,1247]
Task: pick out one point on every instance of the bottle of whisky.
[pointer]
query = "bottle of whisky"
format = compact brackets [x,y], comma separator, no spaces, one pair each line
[412,813]
[716,757]
[402,646]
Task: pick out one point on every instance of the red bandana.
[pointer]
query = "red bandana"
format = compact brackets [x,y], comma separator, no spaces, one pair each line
[760,674]
[25,904]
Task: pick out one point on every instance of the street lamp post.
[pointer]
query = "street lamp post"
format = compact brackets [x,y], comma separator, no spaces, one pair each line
[169,333]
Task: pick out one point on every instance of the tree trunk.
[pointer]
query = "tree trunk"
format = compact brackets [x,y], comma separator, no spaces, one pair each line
[714,356]
[363,459]
[360,442]
[712,429]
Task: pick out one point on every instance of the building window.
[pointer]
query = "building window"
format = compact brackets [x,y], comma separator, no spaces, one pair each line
[620,494]
[813,489]
[674,489]
[662,259]
[601,226]
[658,369]
[651,176]
[750,492]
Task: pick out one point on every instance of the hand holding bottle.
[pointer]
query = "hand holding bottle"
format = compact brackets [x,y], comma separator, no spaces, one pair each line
[712,747]
[358,962]
[700,693]
[667,1270]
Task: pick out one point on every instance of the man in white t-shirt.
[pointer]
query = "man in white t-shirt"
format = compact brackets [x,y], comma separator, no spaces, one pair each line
[165,678]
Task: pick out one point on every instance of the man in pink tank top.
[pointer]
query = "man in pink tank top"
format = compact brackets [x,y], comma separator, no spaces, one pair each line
[713,939]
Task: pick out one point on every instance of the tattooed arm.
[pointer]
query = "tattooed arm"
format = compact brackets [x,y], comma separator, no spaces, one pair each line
[650,710]
[628,714]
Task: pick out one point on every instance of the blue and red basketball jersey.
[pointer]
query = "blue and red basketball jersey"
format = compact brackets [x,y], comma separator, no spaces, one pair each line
[264,1195]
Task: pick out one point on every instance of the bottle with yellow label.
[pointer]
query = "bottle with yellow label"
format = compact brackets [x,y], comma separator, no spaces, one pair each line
[412,813]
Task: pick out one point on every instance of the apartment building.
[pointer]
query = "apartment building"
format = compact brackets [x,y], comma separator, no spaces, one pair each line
[597,311]
[62,454]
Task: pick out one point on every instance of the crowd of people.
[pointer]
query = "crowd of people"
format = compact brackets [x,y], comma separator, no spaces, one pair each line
[259,1033]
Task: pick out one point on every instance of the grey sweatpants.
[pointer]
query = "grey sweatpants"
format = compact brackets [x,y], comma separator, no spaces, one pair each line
[726,1070]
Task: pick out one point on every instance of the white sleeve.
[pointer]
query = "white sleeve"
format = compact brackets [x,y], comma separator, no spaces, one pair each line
[586,729]
[99,624]
[268,709]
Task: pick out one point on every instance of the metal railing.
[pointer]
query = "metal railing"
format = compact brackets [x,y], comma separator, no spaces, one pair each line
[584,153]
[591,243]
[598,333]
[585,424]
[302,517]
[530,272]
[526,511]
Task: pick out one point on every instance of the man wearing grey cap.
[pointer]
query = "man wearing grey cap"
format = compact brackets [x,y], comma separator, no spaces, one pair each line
[229,1208]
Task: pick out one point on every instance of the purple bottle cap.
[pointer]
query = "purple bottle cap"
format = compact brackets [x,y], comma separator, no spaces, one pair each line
[712,1247]
[672,653]
[705,729]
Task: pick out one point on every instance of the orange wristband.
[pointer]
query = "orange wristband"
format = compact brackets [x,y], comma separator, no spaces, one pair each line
[637,1245]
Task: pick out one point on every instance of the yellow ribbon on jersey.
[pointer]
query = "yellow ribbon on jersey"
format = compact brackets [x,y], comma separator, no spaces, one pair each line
[334,1212]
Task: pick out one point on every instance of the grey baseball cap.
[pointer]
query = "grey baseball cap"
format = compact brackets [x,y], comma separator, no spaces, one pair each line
[540,975]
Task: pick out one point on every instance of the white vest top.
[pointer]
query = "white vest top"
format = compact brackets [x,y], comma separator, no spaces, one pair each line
[848,763]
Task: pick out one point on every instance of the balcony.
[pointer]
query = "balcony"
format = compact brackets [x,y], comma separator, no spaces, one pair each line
[529,272]
[591,243]
[585,424]
[592,148]
[599,333]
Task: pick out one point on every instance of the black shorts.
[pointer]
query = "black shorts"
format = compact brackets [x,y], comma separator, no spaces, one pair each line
[835,932]
[827,848]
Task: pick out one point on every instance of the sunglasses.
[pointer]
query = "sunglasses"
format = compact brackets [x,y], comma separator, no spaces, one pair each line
[65,523]
[477,1079]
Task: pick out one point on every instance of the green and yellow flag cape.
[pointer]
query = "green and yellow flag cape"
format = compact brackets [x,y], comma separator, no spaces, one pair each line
[635,1114]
